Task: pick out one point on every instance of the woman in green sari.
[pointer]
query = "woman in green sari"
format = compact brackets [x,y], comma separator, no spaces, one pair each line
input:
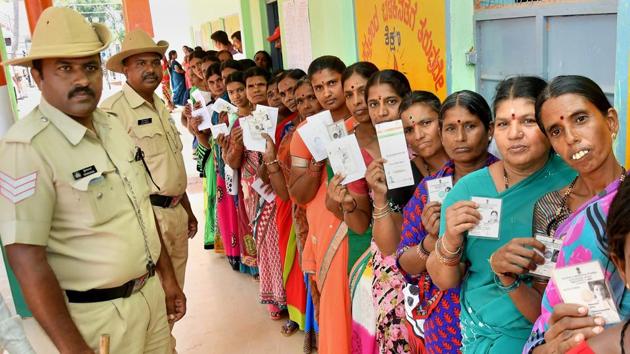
[497,309]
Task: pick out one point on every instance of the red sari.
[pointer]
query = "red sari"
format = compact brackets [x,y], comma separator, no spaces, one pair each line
[293,277]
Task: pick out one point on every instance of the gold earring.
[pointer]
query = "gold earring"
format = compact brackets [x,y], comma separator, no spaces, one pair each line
[614,136]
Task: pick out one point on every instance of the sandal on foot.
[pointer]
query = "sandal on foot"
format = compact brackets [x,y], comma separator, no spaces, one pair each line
[276,315]
[289,328]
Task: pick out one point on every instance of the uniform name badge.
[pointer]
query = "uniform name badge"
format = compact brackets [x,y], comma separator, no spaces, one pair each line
[84,172]
[145,121]
[438,188]
[552,250]
[490,210]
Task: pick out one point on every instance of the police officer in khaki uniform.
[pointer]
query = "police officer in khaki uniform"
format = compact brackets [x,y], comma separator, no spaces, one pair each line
[75,214]
[147,121]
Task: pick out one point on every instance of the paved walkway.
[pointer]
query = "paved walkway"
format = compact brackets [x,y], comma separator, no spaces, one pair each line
[223,311]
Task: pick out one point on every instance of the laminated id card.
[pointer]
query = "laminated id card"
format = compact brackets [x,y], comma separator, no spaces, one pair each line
[490,210]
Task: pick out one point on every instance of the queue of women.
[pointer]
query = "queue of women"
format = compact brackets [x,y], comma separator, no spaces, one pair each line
[361,268]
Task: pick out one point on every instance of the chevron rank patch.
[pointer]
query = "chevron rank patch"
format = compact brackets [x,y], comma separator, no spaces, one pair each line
[16,190]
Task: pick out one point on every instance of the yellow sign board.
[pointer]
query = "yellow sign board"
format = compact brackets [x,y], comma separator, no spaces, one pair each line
[406,35]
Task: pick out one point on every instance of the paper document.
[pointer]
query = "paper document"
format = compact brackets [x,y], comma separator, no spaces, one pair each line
[335,130]
[231,180]
[438,188]
[261,188]
[315,138]
[490,210]
[393,146]
[198,96]
[263,120]
[552,249]
[219,129]
[221,105]
[206,117]
[345,158]
[586,285]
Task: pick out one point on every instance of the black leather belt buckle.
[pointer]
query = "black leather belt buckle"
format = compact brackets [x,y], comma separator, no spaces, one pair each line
[161,200]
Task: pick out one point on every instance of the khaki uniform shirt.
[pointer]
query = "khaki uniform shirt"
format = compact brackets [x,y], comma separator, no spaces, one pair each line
[153,130]
[80,194]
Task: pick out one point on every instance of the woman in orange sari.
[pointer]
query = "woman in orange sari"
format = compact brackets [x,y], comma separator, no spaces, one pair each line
[326,250]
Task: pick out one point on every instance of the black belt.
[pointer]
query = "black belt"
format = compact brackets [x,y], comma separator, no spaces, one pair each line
[99,295]
[162,201]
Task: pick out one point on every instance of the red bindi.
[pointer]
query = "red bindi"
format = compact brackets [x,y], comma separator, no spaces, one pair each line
[513,116]
[561,117]
[458,121]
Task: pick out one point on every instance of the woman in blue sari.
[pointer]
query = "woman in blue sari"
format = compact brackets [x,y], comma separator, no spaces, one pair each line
[178,80]
[496,308]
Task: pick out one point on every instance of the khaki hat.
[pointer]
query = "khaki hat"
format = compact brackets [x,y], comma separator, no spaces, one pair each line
[135,42]
[62,32]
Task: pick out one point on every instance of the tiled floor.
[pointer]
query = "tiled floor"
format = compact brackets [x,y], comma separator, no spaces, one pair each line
[223,311]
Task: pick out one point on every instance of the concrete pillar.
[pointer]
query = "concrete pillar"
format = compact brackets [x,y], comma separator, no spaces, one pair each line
[34,9]
[137,14]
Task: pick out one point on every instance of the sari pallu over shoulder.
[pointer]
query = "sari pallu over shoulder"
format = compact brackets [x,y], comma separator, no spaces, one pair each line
[584,240]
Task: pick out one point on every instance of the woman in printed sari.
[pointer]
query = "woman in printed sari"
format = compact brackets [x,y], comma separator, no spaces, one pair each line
[614,340]
[581,124]
[383,94]
[235,87]
[166,85]
[496,307]
[326,251]
[262,214]
[354,80]
[277,171]
[464,124]
[226,218]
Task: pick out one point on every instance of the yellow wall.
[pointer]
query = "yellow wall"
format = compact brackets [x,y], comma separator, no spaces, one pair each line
[208,10]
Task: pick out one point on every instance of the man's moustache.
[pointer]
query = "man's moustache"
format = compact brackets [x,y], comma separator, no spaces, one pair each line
[149,76]
[80,90]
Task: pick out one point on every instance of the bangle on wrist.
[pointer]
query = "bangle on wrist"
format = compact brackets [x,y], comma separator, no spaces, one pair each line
[376,215]
[509,288]
[492,268]
[422,252]
[380,208]
[449,261]
[458,250]
[271,163]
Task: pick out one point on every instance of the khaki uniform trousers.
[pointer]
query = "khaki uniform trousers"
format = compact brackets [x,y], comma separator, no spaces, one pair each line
[173,224]
[136,324]
[174,228]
